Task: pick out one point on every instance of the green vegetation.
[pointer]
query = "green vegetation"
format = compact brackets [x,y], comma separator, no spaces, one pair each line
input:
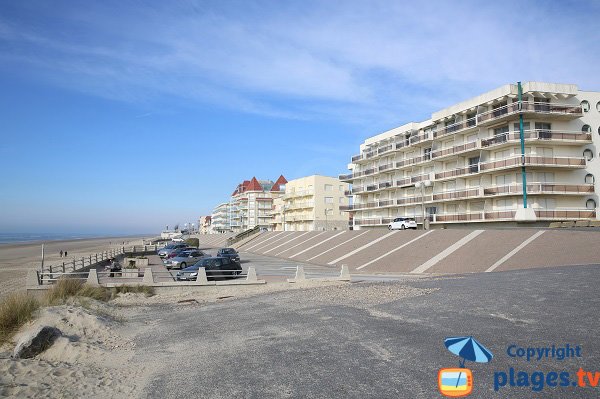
[15,310]
[71,288]
[193,242]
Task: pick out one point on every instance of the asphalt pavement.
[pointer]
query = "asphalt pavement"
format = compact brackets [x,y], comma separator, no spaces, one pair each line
[377,340]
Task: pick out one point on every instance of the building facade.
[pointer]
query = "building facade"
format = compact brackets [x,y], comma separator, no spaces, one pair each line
[312,203]
[251,203]
[221,219]
[467,164]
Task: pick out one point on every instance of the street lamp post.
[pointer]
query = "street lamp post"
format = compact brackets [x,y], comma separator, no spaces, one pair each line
[422,185]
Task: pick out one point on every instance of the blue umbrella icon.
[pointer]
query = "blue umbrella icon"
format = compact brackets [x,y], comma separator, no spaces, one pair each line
[468,349]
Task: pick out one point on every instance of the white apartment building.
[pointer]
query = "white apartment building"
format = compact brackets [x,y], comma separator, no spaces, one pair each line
[312,203]
[466,164]
[221,219]
[251,203]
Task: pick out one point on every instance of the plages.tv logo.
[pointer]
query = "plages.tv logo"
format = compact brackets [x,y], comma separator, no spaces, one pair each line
[457,382]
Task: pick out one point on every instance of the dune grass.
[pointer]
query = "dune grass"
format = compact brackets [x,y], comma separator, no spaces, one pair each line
[16,310]
[72,288]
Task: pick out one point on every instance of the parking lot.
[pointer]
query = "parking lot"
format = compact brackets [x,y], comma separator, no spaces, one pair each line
[373,340]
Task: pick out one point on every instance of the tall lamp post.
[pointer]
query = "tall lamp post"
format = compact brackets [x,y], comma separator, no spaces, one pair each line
[285,208]
[422,185]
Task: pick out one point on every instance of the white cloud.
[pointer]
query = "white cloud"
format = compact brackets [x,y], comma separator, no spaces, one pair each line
[367,63]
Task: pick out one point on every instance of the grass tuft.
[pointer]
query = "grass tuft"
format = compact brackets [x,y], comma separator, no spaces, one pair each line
[63,289]
[15,310]
[136,289]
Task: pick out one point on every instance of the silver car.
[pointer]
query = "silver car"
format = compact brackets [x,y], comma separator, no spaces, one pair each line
[163,252]
[184,259]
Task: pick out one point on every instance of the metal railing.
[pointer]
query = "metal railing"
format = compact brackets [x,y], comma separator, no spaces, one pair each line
[530,107]
[532,188]
[456,127]
[537,134]
[454,150]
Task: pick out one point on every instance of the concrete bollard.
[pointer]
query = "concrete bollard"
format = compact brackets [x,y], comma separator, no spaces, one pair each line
[148,276]
[300,276]
[345,273]
[93,278]
[33,278]
[251,275]
[201,279]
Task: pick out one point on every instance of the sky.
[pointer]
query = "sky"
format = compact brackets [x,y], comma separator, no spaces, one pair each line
[122,117]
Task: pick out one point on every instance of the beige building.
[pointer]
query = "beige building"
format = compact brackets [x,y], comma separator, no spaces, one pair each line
[312,203]
[251,203]
[466,164]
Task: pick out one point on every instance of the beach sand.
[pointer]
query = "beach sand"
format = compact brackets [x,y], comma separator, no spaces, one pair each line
[16,259]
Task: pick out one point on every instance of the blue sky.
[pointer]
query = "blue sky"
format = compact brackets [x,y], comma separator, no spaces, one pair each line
[126,116]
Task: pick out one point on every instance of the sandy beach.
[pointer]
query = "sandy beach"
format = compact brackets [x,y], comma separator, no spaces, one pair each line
[16,259]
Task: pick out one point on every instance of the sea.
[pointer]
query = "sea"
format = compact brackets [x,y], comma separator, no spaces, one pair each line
[15,238]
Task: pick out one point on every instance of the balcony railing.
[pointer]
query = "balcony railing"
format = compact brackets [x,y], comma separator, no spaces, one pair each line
[456,127]
[458,172]
[421,137]
[367,205]
[386,167]
[299,193]
[454,150]
[538,134]
[566,214]
[356,158]
[386,184]
[457,194]
[386,148]
[357,174]
[458,217]
[412,161]
[533,188]
[372,221]
[530,107]
[532,160]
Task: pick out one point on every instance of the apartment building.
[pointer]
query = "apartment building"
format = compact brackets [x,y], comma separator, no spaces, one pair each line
[205,224]
[221,219]
[312,203]
[251,203]
[517,154]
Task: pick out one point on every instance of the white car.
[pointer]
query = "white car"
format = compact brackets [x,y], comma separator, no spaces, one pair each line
[402,224]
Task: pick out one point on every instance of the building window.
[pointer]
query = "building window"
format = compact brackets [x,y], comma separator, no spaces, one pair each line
[585,105]
[590,204]
[588,154]
[586,129]
[589,178]
[328,212]
[328,187]
[329,200]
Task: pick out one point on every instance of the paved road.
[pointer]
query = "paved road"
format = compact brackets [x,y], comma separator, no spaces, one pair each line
[373,340]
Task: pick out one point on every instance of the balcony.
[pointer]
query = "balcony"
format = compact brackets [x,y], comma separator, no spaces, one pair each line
[367,205]
[300,193]
[412,161]
[385,185]
[355,175]
[471,169]
[528,160]
[454,150]
[540,188]
[456,127]
[372,221]
[560,111]
[407,181]
[385,149]
[421,138]
[457,194]
[385,167]
[357,158]
[565,214]
[301,205]
[555,136]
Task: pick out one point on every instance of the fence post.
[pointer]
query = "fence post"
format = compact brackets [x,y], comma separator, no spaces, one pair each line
[33,278]
[63,268]
[90,260]
[82,262]
[145,248]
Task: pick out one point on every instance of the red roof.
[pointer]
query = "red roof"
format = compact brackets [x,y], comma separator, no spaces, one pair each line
[254,185]
[280,181]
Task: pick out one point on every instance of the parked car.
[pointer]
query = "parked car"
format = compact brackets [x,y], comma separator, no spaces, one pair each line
[184,258]
[163,252]
[402,224]
[178,251]
[215,267]
[230,253]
